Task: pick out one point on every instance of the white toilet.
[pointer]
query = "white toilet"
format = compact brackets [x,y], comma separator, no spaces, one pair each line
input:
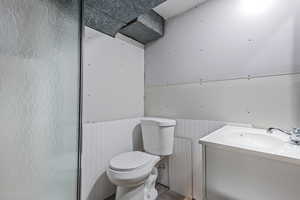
[134,173]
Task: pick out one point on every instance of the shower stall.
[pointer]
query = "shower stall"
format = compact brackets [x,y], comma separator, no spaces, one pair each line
[40,104]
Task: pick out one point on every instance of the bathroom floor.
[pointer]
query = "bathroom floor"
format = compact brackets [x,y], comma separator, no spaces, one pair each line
[163,194]
[169,195]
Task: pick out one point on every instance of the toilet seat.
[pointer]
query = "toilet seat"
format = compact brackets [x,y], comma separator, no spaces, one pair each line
[131,161]
[125,170]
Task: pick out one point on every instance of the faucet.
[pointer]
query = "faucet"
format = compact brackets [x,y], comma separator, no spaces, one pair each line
[294,134]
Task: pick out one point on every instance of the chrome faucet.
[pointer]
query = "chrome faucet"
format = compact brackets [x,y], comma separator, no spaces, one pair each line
[294,134]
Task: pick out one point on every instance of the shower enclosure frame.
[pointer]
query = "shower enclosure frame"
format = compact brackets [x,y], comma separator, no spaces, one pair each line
[80,109]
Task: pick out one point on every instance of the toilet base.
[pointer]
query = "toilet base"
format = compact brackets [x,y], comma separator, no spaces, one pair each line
[145,191]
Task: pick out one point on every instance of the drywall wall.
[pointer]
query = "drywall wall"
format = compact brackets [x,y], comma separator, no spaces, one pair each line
[221,39]
[234,42]
[113,83]
[264,102]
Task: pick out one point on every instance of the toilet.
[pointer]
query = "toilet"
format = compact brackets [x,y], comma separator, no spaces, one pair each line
[134,173]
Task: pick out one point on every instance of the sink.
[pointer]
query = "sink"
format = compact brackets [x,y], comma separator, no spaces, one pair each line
[255,141]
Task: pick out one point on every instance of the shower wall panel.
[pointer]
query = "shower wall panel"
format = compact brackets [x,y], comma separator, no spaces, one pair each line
[39,98]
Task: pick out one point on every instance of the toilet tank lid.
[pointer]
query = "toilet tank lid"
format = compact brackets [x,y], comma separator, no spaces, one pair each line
[158,121]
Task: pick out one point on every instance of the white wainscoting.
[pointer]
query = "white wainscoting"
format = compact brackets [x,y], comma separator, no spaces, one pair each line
[187,149]
[102,141]
[195,129]
[180,168]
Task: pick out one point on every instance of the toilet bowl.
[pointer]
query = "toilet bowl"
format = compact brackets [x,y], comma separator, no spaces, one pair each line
[134,173]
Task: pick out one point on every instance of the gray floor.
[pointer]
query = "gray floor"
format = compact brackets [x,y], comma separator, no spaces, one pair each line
[169,195]
[163,194]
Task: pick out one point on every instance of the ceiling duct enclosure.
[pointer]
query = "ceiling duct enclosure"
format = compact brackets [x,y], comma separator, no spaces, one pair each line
[145,28]
[109,16]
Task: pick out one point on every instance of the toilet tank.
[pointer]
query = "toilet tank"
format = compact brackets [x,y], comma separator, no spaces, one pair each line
[158,135]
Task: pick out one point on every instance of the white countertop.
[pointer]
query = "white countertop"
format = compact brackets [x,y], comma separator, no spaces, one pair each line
[254,141]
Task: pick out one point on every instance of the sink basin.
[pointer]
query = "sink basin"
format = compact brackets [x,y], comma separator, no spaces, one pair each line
[255,141]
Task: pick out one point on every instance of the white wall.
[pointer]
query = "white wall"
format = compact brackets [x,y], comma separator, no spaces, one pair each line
[229,41]
[113,85]
[113,88]
[221,39]
[264,102]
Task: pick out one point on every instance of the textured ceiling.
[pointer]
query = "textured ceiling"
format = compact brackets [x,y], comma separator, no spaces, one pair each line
[109,16]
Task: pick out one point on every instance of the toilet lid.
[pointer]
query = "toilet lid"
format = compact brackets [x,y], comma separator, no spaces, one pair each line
[131,160]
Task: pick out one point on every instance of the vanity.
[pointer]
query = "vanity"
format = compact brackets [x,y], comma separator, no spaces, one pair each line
[242,163]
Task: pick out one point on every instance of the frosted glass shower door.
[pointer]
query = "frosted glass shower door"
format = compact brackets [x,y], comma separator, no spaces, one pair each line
[39,99]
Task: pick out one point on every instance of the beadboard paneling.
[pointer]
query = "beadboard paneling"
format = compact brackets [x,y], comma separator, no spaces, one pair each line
[101,142]
[181,167]
[194,130]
